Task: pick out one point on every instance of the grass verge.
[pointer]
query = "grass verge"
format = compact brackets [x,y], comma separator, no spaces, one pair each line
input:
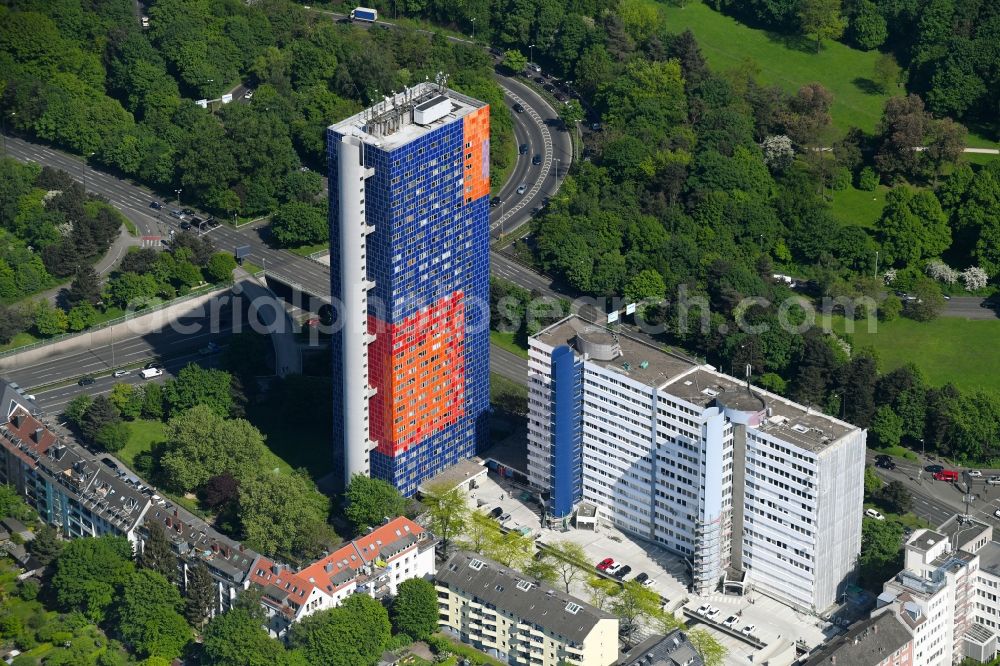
[306,250]
[508,342]
[898,452]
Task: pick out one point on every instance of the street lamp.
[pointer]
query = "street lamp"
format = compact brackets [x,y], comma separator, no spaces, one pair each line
[473,29]
[178,191]
[531,53]
[923,448]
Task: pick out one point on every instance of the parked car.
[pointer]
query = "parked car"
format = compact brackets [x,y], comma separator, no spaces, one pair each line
[613,569]
[605,563]
[536,160]
[188,211]
[993,480]
[974,474]
[110,463]
[496,512]
[149,373]
[153,364]
[495,201]
[730,622]
[624,571]
[539,80]
[996,514]
[934,469]
[872,513]
[703,609]
[713,613]
[248,95]
[155,205]
[748,629]
[649,582]
[176,213]
[122,373]
[946,475]
[641,578]
[504,518]
[522,188]
[522,149]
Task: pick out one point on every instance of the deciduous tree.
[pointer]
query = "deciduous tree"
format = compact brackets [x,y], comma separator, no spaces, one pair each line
[352,635]
[821,19]
[149,618]
[236,638]
[89,573]
[448,512]
[415,609]
[370,501]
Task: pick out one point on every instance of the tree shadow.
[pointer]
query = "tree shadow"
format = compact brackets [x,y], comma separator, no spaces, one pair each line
[790,41]
[867,86]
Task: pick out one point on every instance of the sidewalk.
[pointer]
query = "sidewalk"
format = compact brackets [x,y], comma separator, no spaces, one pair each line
[110,259]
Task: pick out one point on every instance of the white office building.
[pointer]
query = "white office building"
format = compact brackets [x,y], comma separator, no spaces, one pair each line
[752,489]
[946,595]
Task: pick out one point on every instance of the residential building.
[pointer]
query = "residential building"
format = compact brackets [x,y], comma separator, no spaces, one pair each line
[752,489]
[943,595]
[409,250]
[194,541]
[881,640]
[374,564]
[519,620]
[674,649]
[65,484]
[76,491]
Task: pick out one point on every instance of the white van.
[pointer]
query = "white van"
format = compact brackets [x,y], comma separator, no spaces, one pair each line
[149,373]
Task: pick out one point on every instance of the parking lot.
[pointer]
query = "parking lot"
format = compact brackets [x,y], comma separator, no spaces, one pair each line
[775,624]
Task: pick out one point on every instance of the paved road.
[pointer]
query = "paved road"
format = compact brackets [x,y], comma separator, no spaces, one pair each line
[936,501]
[969,307]
[508,365]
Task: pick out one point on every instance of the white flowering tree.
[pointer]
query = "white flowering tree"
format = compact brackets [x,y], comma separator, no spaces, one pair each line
[889,276]
[942,272]
[778,152]
[974,278]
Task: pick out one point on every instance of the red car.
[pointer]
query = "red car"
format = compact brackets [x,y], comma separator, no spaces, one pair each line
[947,475]
[605,563]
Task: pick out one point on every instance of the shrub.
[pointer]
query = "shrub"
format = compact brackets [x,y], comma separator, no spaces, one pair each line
[868,179]
[841,179]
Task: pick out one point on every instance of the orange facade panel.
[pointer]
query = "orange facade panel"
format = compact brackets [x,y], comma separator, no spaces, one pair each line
[476,132]
[418,369]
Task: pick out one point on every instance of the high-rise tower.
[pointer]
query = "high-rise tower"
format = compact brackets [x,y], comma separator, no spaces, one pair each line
[409,273]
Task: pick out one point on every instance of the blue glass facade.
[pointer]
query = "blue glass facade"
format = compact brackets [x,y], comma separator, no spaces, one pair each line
[567,430]
[429,243]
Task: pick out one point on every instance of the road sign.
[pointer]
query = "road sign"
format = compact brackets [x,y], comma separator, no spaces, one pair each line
[630,309]
[613,317]
[227,98]
[242,251]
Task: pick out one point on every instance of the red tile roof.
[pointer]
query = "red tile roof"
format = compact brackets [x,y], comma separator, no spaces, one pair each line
[336,570]
[24,426]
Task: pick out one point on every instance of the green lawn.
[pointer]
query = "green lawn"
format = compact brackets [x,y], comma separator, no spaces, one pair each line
[143,434]
[508,342]
[947,349]
[858,207]
[790,62]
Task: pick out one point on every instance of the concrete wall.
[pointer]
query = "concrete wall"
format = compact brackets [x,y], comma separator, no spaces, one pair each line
[140,325]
